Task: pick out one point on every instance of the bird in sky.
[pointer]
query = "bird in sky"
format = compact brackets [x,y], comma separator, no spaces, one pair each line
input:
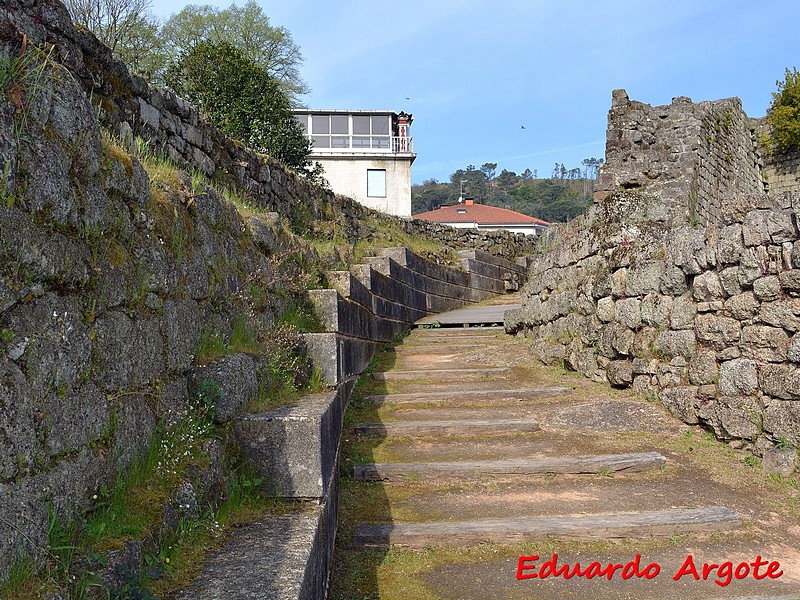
[522,126]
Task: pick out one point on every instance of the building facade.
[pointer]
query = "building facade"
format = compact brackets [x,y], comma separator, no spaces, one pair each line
[367,155]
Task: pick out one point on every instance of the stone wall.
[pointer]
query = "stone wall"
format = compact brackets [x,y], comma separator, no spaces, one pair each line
[129,105]
[685,156]
[683,280]
[782,172]
[110,281]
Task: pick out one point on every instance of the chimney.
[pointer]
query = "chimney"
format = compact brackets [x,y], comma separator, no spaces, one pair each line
[469,201]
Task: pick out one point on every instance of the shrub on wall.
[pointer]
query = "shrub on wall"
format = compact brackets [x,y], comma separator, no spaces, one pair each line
[784,114]
[242,99]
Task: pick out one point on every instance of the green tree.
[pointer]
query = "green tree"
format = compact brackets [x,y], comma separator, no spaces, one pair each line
[242,99]
[783,115]
[249,30]
[430,195]
[125,26]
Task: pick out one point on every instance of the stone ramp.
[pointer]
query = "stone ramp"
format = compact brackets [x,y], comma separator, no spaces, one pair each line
[455,496]
[275,559]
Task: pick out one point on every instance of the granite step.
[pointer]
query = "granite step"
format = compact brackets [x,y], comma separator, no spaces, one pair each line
[512,531]
[448,427]
[610,463]
[440,374]
[476,395]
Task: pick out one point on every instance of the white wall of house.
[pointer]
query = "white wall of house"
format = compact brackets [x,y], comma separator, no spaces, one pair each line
[531,229]
[349,176]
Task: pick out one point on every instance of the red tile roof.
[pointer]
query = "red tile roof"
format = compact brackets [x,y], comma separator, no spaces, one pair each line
[481,214]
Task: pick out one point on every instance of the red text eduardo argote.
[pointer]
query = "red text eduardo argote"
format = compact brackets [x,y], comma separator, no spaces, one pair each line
[530,567]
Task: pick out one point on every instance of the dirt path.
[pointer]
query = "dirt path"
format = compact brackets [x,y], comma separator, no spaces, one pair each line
[487,458]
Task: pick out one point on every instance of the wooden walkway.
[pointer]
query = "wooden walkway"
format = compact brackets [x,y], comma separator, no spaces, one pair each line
[472,316]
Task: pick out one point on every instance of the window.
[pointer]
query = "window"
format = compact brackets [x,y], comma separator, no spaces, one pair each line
[340,124]
[376,183]
[343,131]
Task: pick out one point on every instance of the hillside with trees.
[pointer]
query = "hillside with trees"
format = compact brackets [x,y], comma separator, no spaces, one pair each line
[560,197]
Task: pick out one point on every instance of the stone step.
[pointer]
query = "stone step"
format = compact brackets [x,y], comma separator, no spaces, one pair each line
[511,531]
[428,348]
[439,374]
[475,395]
[610,463]
[450,427]
[460,332]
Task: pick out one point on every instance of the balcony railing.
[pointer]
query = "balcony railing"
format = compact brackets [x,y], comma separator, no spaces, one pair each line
[361,143]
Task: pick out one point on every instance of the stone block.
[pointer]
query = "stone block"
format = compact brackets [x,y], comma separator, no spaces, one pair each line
[750,267]
[339,357]
[681,401]
[780,462]
[717,332]
[628,312]
[708,287]
[656,310]
[732,416]
[782,420]
[670,344]
[729,279]
[644,278]
[295,448]
[703,367]
[683,313]
[742,306]
[230,382]
[619,373]
[730,244]
[770,344]
[781,313]
[780,381]
[738,377]
[767,289]
[790,281]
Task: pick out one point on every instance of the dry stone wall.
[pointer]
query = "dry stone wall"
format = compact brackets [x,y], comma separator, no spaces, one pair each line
[129,105]
[110,282]
[782,172]
[685,155]
[702,314]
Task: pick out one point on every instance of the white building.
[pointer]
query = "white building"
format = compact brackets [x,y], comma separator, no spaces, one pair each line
[367,155]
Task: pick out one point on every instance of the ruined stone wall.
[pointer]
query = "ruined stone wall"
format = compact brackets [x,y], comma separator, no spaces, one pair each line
[782,172]
[129,105]
[704,318]
[683,280]
[686,156]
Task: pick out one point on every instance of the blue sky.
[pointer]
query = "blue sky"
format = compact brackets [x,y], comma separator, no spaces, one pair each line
[476,72]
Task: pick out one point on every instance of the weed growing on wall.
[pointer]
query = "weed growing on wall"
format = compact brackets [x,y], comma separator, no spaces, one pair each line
[21,80]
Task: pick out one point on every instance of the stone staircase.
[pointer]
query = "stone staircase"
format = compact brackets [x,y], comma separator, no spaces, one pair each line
[464,445]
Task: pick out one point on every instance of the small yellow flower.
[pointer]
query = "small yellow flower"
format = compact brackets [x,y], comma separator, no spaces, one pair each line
[166,560]
[94,497]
